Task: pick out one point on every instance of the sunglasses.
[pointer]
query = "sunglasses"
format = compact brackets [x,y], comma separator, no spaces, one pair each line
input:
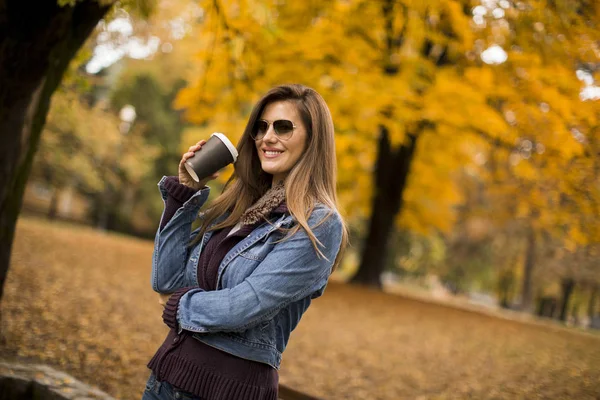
[283,129]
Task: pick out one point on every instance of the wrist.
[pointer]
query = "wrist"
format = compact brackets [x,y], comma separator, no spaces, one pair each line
[171,307]
[180,191]
[194,186]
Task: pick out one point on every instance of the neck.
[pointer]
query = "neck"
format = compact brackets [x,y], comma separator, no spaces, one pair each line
[277,179]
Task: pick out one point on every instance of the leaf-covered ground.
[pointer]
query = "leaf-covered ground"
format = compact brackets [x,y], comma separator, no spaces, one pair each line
[81,300]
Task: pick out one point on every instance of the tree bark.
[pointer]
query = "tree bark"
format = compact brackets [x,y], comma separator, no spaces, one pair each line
[527,290]
[391,173]
[567,286]
[36,46]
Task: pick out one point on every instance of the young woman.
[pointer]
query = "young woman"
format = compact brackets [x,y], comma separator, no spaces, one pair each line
[235,288]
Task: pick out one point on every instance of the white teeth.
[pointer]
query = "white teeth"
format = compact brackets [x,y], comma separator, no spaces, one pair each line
[273,153]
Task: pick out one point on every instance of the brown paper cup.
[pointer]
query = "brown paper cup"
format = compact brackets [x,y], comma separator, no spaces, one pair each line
[216,153]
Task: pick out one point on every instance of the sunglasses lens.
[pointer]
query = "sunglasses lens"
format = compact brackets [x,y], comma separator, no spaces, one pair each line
[260,129]
[283,127]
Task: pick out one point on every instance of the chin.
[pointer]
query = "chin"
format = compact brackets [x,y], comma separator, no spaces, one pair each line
[269,169]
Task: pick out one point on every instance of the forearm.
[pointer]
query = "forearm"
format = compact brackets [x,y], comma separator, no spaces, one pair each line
[236,309]
[170,253]
[291,272]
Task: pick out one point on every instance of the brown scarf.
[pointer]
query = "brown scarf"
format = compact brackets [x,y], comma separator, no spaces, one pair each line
[263,206]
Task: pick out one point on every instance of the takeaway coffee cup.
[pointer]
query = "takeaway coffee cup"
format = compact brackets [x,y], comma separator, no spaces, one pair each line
[217,152]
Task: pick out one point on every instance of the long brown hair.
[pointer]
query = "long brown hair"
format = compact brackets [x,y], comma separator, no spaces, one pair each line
[312,180]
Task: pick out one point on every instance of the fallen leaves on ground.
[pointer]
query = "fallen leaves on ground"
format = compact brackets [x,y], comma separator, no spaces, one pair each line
[81,300]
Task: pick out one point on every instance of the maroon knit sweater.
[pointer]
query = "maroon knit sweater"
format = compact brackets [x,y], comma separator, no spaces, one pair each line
[187,363]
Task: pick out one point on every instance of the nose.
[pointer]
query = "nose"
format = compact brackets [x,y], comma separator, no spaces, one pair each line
[270,135]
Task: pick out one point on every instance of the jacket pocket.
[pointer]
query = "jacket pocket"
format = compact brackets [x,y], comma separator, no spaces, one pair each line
[259,250]
[249,255]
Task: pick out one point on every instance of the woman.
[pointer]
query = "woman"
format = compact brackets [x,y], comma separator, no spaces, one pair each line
[238,285]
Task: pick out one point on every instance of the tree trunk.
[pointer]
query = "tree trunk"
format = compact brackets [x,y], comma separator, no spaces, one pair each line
[391,173]
[37,43]
[53,207]
[527,290]
[506,281]
[547,307]
[393,166]
[567,286]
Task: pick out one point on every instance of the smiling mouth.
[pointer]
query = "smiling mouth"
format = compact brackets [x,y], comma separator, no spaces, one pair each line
[271,154]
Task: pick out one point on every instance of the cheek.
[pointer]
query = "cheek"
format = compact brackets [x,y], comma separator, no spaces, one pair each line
[258,154]
[297,153]
[302,144]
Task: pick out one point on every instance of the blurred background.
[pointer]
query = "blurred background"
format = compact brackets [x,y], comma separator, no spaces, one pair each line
[468,150]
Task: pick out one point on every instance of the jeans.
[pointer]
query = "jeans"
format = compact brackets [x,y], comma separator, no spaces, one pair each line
[156,390]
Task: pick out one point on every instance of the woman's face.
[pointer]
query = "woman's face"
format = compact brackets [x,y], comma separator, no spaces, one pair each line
[278,156]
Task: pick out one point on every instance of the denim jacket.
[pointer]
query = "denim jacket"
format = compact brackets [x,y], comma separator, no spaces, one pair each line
[264,284]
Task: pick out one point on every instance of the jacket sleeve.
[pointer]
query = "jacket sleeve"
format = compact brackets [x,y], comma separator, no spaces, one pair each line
[178,194]
[290,272]
[170,253]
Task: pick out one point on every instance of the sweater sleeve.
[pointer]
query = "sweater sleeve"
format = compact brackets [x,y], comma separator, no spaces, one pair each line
[178,194]
[170,311]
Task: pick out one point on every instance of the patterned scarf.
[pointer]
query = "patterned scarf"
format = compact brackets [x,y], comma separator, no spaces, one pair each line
[265,205]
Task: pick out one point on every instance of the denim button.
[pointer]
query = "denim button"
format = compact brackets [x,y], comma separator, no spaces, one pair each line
[177,395]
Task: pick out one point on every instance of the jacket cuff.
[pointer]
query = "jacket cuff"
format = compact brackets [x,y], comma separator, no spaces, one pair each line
[177,190]
[170,311]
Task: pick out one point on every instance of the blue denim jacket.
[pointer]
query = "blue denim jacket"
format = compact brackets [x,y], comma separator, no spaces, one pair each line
[263,287]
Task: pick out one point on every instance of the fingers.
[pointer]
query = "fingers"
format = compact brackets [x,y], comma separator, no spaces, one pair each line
[163,298]
[192,150]
[187,155]
[197,146]
[203,182]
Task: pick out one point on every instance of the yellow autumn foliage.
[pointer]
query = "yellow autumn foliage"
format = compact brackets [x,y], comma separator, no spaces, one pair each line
[404,63]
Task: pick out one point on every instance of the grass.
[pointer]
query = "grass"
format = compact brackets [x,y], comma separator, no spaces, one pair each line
[81,300]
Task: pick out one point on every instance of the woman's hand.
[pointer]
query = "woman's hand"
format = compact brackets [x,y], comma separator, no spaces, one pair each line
[163,298]
[184,176]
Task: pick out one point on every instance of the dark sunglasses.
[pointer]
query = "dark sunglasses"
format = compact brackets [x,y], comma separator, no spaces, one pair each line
[283,129]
